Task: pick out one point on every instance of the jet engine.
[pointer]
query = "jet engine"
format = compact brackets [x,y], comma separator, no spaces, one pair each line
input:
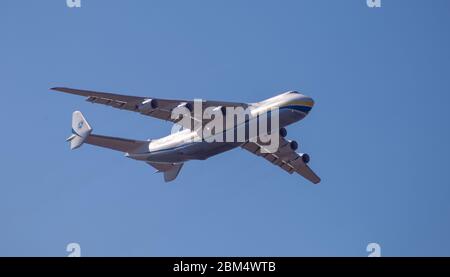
[222,109]
[187,106]
[147,105]
[288,150]
[305,158]
[293,144]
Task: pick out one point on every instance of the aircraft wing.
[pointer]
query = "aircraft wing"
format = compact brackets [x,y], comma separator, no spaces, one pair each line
[154,107]
[286,158]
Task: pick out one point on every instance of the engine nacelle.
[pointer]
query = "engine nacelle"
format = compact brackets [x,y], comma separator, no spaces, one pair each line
[294,145]
[305,158]
[283,132]
[288,150]
[222,109]
[147,105]
[187,106]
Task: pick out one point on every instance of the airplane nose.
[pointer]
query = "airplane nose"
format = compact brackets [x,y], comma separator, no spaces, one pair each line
[301,102]
[307,100]
[310,100]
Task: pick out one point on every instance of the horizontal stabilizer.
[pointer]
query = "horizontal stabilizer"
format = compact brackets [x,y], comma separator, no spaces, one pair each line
[118,144]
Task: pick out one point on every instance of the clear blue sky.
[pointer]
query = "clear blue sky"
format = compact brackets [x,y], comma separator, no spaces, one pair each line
[378,135]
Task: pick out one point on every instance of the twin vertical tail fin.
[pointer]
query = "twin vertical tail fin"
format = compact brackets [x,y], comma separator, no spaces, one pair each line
[80,130]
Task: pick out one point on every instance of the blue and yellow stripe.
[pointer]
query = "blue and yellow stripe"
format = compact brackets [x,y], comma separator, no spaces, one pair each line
[299,105]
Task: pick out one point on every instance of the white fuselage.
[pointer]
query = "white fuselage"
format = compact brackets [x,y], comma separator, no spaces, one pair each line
[193,145]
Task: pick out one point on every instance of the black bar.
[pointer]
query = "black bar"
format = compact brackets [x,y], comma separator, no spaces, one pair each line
[266,266]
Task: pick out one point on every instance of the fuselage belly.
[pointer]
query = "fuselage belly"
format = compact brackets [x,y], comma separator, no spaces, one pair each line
[202,150]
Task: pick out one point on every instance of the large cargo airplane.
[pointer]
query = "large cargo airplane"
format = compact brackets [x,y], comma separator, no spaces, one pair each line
[168,154]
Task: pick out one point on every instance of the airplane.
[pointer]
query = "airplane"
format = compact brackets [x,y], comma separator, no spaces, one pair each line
[168,154]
